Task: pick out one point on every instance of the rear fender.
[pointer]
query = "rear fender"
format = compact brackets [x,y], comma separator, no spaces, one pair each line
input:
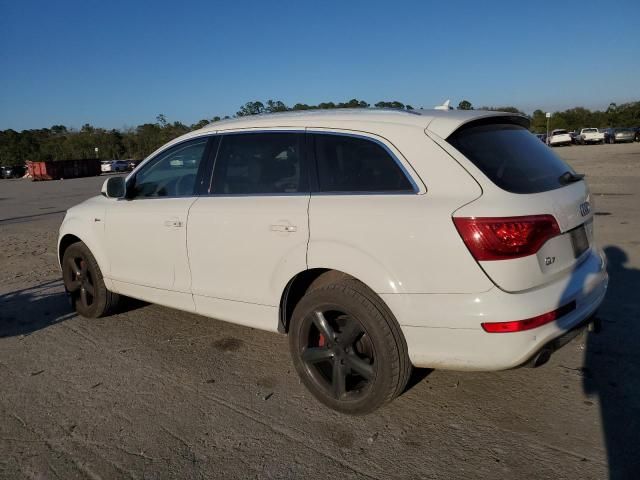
[334,255]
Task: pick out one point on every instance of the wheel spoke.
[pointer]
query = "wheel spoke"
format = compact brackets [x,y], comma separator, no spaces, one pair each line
[314,355]
[323,325]
[360,366]
[74,267]
[350,334]
[338,379]
[83,296]
[89,288]
[73,286]
[83,267]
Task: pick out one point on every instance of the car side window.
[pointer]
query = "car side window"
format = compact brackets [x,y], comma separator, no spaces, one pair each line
[355,164]
[172,173]
[260,163]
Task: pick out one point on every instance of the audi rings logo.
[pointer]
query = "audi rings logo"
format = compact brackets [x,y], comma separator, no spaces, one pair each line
[585,209]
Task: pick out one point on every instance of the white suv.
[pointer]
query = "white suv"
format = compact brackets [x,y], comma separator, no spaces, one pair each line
[375,239]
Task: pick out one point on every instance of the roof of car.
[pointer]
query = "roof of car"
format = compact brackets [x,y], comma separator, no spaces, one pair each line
[441,122]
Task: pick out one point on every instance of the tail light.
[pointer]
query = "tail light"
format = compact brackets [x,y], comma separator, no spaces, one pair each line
[528,323]
[505,237]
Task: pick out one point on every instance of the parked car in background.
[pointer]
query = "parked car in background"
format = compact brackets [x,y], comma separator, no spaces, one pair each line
[619,135]
[132,164]
[637,134]
[560,137]
[12,171]
[542,137]
[114,166]
[608,135]
[253,223]
[591,135]
[575,137]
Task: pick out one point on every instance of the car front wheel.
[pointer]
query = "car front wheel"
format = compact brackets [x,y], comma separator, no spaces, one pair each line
[84,283]
[348,348]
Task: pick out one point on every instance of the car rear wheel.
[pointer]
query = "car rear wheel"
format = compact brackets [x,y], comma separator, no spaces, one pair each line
[84,283]
[348,348]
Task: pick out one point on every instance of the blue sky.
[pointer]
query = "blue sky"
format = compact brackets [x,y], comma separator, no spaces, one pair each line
[120,63]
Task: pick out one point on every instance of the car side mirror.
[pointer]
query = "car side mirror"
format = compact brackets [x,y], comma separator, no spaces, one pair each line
[114,187]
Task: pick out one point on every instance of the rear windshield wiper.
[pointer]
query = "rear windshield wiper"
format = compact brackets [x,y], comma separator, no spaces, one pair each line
[570,177]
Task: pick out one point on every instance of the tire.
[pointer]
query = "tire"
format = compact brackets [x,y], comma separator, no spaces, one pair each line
[348,348]
[84,283]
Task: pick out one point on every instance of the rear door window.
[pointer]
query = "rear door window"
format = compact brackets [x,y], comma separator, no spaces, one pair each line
[260,163]
[355,164]
[512,158]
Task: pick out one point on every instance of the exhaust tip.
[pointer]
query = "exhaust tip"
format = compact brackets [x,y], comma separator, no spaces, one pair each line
[540,359]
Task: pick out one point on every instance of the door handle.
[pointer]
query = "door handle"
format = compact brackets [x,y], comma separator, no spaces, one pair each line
[172,223]
[284,228]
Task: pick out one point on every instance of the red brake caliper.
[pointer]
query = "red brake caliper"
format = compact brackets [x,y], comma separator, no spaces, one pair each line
[321,341]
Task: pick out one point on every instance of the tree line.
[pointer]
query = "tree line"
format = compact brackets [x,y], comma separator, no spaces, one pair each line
[62,143]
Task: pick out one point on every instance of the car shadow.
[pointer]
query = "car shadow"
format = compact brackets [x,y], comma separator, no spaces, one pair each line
[25,311]
[417,375]
[611,367]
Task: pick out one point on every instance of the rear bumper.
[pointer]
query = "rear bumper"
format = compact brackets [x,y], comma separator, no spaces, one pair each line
[443,331]
[543,355]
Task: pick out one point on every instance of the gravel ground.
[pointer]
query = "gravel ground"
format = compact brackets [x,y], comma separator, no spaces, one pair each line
[156,393]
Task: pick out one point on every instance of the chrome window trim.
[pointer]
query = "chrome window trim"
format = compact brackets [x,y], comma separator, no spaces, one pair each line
[236,195]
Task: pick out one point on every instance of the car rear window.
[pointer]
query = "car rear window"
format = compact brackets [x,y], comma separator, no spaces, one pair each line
[512,158]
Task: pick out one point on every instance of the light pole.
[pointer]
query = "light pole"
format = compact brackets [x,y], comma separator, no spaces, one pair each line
[96,149]
[548,115]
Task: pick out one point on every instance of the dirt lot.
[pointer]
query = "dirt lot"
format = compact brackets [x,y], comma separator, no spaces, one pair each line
[156,393]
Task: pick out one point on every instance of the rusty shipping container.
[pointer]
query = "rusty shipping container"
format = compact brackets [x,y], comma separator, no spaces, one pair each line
[89,167]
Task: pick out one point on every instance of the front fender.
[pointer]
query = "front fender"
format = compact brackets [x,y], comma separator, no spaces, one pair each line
[89,230]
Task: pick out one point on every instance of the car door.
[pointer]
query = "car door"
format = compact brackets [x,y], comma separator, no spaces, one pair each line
[247,237]
[146,232]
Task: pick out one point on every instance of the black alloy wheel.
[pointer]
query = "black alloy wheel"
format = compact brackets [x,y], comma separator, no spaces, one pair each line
[84,283]
[347,347]
[81,284]
[337,354]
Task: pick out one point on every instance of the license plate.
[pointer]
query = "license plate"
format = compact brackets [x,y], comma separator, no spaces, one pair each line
[579,240]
